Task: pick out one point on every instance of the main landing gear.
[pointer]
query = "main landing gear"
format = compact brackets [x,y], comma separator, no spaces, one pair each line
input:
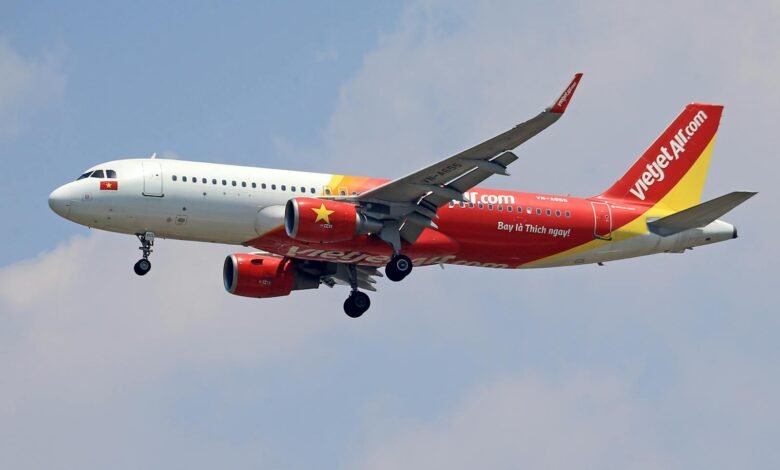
[147,242]
[398,268]
[358,302]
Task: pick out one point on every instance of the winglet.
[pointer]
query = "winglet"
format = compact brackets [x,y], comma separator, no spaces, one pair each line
[563,101]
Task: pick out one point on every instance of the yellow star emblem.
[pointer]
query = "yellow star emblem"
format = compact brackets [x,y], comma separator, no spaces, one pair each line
[109,185]
[322,214]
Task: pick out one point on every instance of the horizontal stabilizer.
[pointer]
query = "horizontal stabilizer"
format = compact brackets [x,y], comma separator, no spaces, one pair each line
[699,215]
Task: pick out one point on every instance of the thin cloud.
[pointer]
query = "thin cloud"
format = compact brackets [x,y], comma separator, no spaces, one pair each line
[27,86]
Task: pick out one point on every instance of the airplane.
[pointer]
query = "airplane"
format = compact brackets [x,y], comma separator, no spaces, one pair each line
[315,229]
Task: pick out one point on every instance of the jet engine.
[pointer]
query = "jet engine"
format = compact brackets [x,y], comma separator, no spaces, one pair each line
[251,275]
[322,221]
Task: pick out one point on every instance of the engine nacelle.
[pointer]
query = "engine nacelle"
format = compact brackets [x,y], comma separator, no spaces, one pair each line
[263,276]
[319,221]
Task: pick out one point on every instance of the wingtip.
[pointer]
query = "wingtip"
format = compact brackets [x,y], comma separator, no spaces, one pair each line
[560,105]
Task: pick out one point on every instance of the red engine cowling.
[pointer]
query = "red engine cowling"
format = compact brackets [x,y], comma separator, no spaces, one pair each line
[262,276]
[319,221]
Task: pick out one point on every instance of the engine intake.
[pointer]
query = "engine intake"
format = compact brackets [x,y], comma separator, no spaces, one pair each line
[319,221]
[264,276]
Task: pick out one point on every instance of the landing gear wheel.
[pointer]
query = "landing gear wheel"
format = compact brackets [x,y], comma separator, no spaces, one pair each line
[398,268]
[147,242]
[142,267]
[356,304]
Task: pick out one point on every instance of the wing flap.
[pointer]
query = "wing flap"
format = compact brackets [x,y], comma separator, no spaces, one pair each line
[339,274]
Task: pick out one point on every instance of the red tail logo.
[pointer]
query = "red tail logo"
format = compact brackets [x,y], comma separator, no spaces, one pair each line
[669,159]
[668,155]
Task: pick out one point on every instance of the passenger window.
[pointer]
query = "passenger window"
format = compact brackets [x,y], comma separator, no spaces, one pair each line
[481,206]
[568,214]
[234,182]
[184,178]
[243,184]
[326,190]
[557,213]
[204,181]
[462,204]
[452,204]
[224,182]
[509,208]
[273,186]
[500,207]
[254,185]
[194,179]
[110,174]
[262,185]
[313,191]
[538,212]
[214,181]
[528,210]
[284,187]
[97,174]
[292,188]
[173,177]
[548,212]
[490,207]
[471,205]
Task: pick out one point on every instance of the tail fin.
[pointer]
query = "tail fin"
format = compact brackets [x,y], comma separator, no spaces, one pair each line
[673,169]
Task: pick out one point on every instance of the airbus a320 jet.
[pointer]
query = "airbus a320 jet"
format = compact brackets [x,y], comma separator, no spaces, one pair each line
[314,229]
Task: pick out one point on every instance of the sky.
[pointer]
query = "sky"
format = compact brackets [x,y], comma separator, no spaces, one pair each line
[668,361]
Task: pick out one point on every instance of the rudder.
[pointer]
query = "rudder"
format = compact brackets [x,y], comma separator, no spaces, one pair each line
[673,169]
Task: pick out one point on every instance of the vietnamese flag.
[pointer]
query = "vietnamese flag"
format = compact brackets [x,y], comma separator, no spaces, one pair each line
[109,185]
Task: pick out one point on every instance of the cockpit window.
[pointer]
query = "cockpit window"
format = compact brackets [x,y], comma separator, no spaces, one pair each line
[110,174]
[97,174]
[85,175]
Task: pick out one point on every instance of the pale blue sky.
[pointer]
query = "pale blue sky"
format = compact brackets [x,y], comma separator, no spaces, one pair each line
[206,80]
[662,362]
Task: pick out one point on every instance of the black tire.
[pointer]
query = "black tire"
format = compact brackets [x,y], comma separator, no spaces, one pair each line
[398,268]
[356,304]
[142,267]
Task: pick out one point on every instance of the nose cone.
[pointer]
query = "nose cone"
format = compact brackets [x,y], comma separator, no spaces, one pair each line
[59,201]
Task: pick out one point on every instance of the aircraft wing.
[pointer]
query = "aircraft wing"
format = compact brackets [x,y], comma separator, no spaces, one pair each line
[424,191]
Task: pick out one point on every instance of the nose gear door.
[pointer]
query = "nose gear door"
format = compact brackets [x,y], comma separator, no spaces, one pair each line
[152,178]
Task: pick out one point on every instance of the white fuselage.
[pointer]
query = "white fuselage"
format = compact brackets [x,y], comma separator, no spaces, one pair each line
[217,203]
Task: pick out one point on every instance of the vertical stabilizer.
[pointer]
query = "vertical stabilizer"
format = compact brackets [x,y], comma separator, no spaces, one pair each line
[673,169]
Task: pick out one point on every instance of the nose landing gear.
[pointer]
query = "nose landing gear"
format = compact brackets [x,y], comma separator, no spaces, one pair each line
[143,265]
